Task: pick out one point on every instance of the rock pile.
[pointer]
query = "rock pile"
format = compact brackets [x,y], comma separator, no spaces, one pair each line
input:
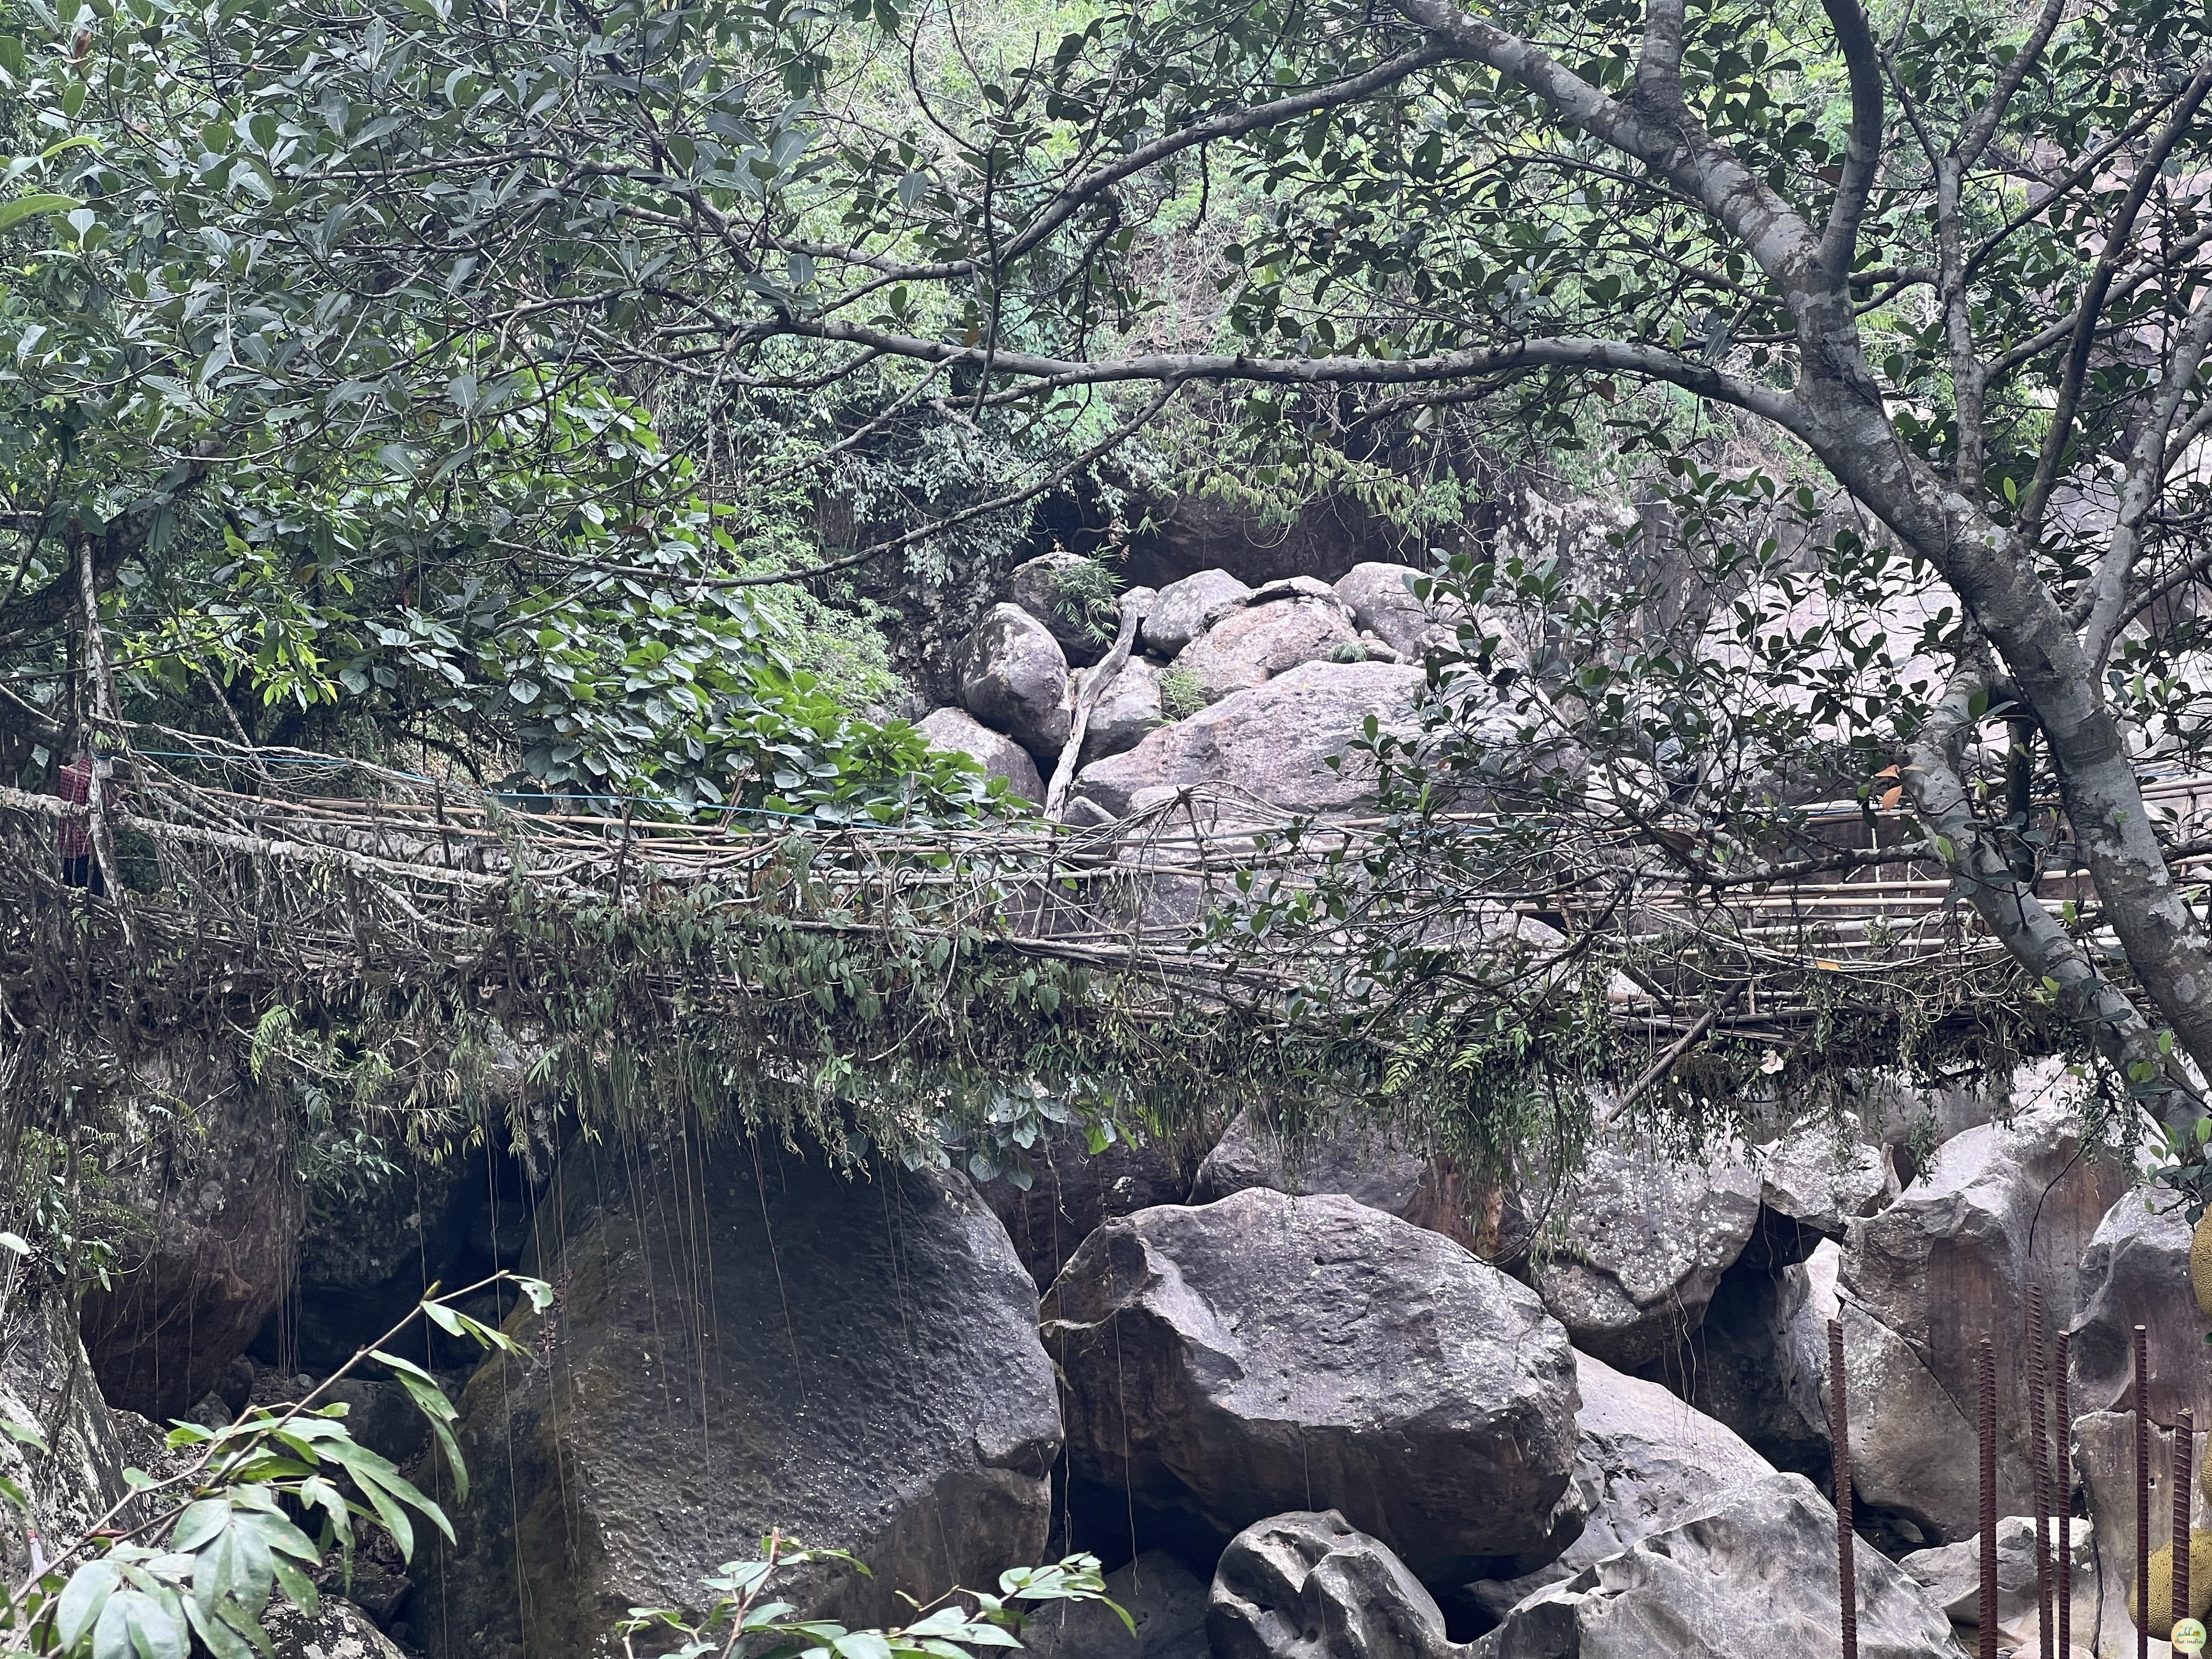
[1254,689]
[1304,1398]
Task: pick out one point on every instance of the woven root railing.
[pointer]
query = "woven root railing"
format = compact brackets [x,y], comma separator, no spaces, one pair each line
[1196,935]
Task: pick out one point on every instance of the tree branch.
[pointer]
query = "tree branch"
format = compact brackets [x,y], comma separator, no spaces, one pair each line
[1969,374]
[2009,82]
[1066,203]
[2021,921]
[109,549]
[1094,683]
[1606,356]
[2055,441]
[2190,571]
[19,716]
[1659,67]
[1673,146]
[2105,595]
[1862,144]
[1659,1067]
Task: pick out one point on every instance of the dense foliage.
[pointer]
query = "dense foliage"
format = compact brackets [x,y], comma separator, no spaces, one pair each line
[190,1557]
[337,329]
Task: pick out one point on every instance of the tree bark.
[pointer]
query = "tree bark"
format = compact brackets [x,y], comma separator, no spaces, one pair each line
[1092,688]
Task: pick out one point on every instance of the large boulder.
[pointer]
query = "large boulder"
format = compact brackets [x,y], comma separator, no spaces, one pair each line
[1124,713]
[1299,588]
[1274,741]
[1053,588]
[337,1629]
[1912,1122]
[1251,646]
[1913,1458]
[1373,1168]
[1751,1576]
[1644,1460]
[745,1342]
[1814,1180]
[1164,1600]
[1014,677]
[207,1210]
[1072,1191]
[1381,604]
[960,733]
[1649,1232]
[1311,1585]
[1186,608]
[46,1387]
[1998,1208]
[1229,1362]
[2136,1272]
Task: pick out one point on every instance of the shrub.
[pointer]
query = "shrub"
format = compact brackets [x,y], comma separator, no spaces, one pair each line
[1182,694]
[1088,595]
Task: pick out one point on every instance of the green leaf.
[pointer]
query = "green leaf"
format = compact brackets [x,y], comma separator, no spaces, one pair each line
[388,1511]
[321,1494]
[431,1400]
[136,1623]
[452,1323]
[23,1432]
[217,1637]
[298,1586]
[82,1599]
[248,1624]
[199,1522]
[277,1532]
[225,1571]
[950,1622]
[31,207]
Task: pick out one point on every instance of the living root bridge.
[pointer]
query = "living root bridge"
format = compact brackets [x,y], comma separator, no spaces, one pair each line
[890,978]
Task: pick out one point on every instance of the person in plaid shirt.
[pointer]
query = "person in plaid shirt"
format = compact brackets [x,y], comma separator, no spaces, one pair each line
[73,836]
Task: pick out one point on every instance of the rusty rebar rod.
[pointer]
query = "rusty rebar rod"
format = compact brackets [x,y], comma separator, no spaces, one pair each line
[1985,1360]
[2063,1490]
[2184,1448]
[2143,1491]
[2038,1361]
[1840,1436]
